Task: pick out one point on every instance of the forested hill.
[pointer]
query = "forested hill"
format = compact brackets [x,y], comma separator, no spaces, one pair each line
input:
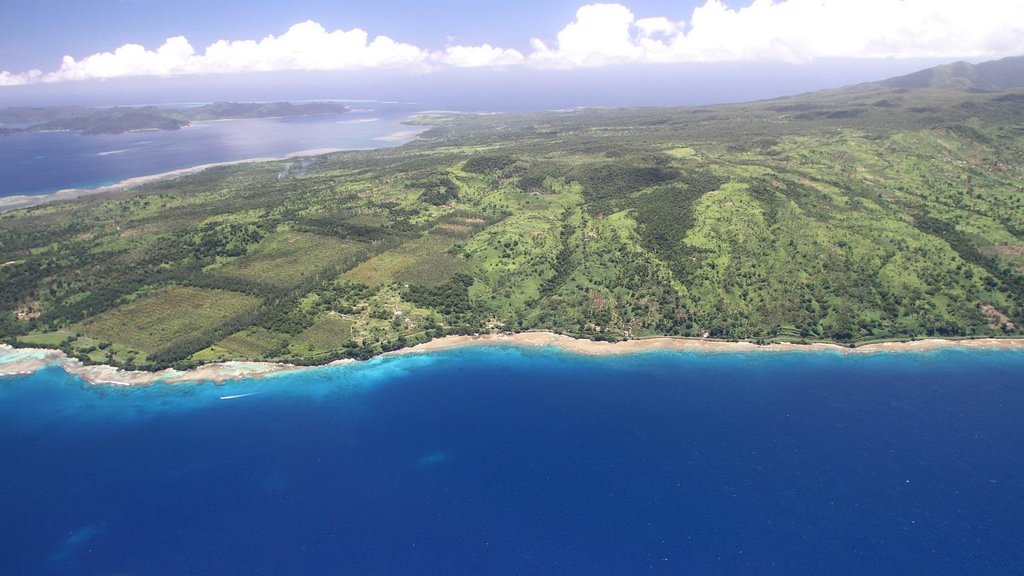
[123,119]
[987,77]
[851,215]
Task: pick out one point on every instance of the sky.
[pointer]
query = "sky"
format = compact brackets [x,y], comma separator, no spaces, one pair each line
[134,43]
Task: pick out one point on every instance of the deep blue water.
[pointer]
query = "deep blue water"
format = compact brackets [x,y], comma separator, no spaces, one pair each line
[504,461]
[44,162]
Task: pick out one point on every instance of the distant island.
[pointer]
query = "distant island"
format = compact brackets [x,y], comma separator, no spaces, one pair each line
[880,212]
[124,119]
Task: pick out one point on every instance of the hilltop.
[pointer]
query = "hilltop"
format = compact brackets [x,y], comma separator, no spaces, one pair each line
[991,76]
[855,215]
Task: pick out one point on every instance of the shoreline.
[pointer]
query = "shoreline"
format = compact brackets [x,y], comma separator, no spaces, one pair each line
[22,361]
[19,201]
[586,347]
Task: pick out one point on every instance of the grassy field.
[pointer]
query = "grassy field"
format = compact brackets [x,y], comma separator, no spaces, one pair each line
[253,343]
[327,333]
[429,260]
[160,322]
[287,259]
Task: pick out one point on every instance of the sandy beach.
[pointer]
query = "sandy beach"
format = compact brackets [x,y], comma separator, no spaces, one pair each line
[590,347]
[20,361]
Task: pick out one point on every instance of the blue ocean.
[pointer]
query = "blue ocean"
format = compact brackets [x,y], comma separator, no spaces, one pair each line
[45,162]
[499,460]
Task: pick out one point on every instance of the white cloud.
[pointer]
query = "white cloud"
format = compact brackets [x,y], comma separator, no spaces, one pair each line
[8,79]
[658,25]
[479,56]
[791,30]
[305,46]
[603,34]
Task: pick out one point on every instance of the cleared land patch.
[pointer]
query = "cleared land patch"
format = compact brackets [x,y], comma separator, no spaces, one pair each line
[327,333]
[286,259]
[253,342]
[426,260]
[170,319]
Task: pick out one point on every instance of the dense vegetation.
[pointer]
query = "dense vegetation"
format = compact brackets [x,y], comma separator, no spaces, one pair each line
[856,215]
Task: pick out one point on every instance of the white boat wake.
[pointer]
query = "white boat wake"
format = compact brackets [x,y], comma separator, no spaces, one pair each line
[233,396]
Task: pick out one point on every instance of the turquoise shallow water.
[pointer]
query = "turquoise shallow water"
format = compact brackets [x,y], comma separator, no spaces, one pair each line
[496,460]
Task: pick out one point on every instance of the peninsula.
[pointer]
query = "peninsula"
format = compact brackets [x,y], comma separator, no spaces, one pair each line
[879,212]
[117,120]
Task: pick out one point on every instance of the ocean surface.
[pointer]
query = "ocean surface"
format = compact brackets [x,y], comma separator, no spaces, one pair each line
[496,460]
[45,162]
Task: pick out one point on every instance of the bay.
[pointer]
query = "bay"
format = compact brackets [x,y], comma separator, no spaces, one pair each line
[45,162]
[500,460]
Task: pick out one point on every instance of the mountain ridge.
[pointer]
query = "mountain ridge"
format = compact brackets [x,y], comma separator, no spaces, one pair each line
[990,76]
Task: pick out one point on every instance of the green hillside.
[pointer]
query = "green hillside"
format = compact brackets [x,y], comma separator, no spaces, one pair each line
[852,215]
[996,75]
